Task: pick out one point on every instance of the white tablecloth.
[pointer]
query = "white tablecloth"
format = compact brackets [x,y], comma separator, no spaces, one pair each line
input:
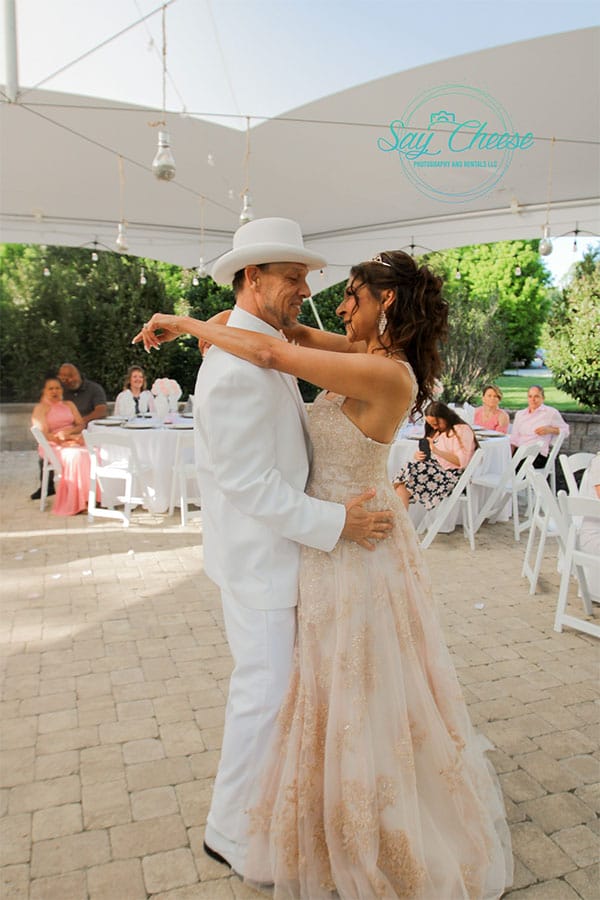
[155,447]
[496,456]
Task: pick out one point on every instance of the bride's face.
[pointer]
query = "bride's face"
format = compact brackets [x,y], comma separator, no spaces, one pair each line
[359,311]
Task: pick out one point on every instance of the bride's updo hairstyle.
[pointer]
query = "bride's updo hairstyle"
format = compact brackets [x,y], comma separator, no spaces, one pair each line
[417,320]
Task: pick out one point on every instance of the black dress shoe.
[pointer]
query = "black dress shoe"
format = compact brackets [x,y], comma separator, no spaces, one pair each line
[38,494]
[216,856]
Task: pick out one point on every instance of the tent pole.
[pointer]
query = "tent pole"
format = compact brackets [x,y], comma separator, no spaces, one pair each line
[12,68]
[315,313]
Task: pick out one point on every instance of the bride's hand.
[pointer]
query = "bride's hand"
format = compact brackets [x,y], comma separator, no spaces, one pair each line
[159,330]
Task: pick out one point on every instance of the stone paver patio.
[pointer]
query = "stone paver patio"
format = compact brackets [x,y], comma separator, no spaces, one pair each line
[115,673]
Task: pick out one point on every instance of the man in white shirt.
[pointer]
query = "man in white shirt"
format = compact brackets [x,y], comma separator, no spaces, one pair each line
[252,455]
[537,422]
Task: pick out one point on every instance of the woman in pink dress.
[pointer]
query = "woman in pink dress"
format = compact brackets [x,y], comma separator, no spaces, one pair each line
[489,415]
[62,425]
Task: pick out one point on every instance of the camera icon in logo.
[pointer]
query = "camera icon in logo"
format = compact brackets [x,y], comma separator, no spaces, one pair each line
[442,117]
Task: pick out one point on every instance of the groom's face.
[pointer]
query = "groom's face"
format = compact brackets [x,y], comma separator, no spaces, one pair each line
[280,291]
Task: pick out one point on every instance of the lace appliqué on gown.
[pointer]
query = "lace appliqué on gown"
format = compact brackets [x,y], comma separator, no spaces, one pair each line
[376,786]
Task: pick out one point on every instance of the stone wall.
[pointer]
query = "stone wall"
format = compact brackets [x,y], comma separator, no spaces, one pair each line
[15,434]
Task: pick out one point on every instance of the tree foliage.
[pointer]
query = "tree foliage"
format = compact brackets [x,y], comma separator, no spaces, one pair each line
[509,274]
[572,334]
[87,313]
[476,350]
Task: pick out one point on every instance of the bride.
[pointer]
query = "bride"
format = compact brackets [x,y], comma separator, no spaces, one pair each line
[376,786]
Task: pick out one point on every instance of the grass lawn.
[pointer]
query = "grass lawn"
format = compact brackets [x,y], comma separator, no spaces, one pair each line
[515,387]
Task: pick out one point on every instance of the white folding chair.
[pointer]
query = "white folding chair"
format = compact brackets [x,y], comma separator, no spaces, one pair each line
[50,463]
[510,483]
[184,471]
[113,456]
[572,464]
[549,469]
[435,518]
[547,520]
[575,509]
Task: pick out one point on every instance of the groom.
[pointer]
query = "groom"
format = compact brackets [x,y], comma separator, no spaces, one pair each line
[252,454]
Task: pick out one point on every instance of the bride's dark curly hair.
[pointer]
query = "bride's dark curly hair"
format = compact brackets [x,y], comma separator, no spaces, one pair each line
[417,320]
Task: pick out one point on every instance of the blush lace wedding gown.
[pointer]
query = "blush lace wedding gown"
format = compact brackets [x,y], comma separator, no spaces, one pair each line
[376,786]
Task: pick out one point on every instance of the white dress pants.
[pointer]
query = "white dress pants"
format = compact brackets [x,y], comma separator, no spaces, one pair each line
[262,645]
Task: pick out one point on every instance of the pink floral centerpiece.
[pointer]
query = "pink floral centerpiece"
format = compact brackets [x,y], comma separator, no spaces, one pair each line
[167,393]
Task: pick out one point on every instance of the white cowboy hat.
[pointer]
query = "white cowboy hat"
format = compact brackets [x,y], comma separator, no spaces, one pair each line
[265,241]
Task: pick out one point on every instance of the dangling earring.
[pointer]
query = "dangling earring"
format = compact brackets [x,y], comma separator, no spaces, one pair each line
[382,322]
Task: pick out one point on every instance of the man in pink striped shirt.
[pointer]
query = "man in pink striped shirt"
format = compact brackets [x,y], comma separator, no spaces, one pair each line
[537,422]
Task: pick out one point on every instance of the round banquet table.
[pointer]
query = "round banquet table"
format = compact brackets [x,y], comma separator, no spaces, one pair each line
[155,445]
[496,456]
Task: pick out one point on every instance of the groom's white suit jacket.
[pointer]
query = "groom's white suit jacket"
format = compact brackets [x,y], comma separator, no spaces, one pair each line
[252,456]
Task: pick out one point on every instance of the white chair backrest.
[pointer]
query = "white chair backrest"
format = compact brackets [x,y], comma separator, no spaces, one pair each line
[435,520]
[572,464]
[184,450]
[548,505]
[110,437]
[47,448]
[467,413]
[576,509]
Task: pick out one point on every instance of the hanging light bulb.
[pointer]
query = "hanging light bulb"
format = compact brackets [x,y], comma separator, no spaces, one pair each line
[163,164]
[202,270]
[46,272]
[143,279]
[121,241]
[247,213]
[518,271]
[195,281]
[94,256]
[545,248]
[546,243]
[457,274]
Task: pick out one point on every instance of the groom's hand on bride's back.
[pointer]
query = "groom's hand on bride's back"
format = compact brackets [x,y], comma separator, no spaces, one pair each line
[364,526]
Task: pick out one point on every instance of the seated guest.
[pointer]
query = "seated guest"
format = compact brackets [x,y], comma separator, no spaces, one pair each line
[489,415]
[61,424]
[589,536]
[134,399]
[537,422]
[435,470]
[88,397]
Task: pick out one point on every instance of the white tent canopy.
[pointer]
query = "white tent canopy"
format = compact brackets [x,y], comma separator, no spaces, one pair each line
[319,164]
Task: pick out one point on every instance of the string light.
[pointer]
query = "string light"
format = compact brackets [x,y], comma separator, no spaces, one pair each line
[143,279]
[247,213]
[201,271]
[121,241]
[163,164]
[546,243]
